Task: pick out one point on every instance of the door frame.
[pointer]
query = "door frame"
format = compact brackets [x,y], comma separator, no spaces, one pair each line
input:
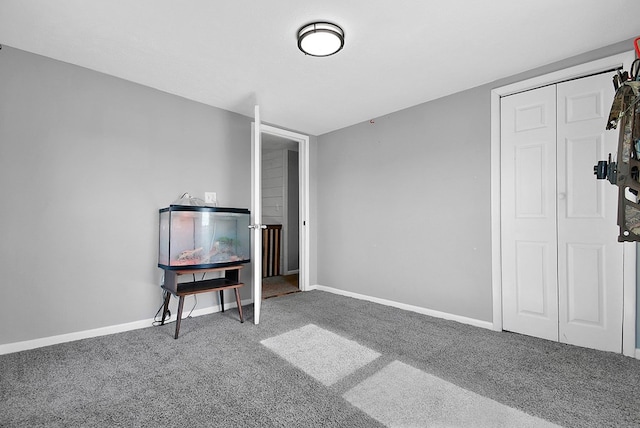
[303,198]
[622,60]
[303,189]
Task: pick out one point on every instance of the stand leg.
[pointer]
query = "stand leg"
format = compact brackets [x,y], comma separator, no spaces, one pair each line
[221,301]
[239,304]
[166,306]
[180,305]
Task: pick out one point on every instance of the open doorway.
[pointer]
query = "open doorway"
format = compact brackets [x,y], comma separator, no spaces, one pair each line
[280,214]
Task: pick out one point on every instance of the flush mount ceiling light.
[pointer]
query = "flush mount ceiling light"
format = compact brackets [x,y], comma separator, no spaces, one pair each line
[320,39]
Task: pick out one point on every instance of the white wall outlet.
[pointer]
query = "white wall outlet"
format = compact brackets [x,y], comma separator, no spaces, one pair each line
[210,198]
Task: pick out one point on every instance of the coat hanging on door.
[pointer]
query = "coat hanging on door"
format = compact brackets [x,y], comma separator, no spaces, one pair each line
[625,172]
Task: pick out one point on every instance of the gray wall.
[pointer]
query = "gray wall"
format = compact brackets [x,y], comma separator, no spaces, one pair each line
[404,207]
[404,201]
[86,161]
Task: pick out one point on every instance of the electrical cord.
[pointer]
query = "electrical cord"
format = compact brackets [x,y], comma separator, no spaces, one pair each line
[195,297]
[157,322]
[194,306]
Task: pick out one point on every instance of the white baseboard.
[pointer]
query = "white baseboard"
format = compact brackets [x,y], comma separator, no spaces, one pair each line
[637,353]
[103,331]
[120,328]
[418,309]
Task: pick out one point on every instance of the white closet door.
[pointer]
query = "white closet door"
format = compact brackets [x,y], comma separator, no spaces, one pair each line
[529,239]
[589,256]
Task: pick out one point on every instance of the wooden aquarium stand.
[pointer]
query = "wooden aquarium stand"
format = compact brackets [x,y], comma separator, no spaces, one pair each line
[231,280]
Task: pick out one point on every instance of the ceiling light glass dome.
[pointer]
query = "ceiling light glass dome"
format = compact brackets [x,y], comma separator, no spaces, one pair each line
[320,39]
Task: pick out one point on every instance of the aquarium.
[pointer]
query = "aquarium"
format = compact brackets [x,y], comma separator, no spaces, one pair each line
[199,237]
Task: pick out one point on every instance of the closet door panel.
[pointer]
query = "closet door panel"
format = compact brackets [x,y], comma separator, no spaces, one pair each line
[585,291]
[590,259]
[529,240]
[532,270]
[585,196]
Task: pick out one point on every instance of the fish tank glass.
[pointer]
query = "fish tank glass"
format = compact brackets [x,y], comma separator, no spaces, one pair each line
[202,237]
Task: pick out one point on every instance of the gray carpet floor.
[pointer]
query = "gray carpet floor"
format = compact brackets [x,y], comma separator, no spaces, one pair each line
[218,373]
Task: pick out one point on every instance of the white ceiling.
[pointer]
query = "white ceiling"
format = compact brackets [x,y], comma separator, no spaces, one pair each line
[234,54]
